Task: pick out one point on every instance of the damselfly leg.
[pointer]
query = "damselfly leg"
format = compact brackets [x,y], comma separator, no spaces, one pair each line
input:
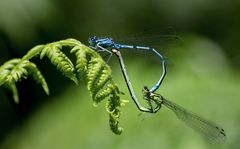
[129,85]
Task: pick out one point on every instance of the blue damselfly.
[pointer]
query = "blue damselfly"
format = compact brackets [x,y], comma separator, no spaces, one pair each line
[106,44]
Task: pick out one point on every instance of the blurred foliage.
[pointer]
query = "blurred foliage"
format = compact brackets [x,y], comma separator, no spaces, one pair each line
[203,76]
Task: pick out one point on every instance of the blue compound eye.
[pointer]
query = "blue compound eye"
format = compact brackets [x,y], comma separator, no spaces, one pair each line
[92,40]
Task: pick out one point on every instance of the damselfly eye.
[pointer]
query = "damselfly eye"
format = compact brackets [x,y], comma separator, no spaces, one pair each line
[94,37]
[92,40]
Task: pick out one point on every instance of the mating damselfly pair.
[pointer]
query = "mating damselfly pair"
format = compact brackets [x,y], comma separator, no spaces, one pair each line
[155,101]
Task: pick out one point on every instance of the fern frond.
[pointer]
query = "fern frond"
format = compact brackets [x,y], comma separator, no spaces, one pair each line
[37,76]
[112,106]
[94,71]
[90,68]
[60,60]
[16,69]
[81,63]
[105,92]
[12,70]
[97,76]
[71,43]
[18,72]
[33,52]
[11,86]
[6,68]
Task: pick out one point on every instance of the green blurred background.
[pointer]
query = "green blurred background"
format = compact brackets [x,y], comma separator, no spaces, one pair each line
[203,73]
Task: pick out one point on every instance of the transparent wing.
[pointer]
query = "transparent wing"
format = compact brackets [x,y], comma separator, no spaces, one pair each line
[208,129]
[158,38]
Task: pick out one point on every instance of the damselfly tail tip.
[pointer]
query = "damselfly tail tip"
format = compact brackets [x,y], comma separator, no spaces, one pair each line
[222,135]
[219,137]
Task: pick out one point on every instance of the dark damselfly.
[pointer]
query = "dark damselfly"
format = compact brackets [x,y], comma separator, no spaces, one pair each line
[197,123]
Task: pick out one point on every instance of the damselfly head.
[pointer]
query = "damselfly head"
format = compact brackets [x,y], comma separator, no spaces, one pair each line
[92,40]
[145,93]
[145,88]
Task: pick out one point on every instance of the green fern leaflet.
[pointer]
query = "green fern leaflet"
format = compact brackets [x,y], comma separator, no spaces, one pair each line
[90,68]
